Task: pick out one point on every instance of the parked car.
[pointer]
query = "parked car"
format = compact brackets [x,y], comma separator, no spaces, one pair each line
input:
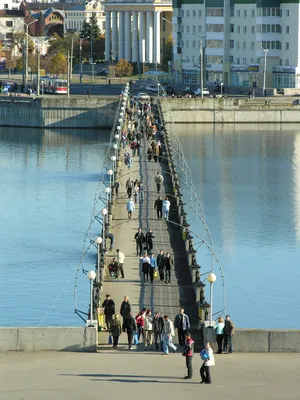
[102,72]
[197,92]
[142,96]
[169,89]
[151,88]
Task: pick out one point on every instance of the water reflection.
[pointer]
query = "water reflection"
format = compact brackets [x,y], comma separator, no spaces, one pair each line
[48,180]
[247,177]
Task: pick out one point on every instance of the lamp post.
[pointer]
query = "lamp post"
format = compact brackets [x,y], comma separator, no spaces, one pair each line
[98,242]
[27,44]
[107,192]
[91,276]
[80,60]
[211,277]
[265,69]
[110,172]
[115,147]
[221,84]
[201,68]
[104,213]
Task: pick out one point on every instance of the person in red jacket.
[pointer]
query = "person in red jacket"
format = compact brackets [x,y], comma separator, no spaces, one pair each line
[188,353]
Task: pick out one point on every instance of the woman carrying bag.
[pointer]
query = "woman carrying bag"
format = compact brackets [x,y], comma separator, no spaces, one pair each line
[116,330]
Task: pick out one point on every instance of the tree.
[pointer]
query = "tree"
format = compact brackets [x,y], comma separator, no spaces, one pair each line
[58,64]
[59,45]
[32,63]
[91,28]
[167,53]
[19,38]
[123,68]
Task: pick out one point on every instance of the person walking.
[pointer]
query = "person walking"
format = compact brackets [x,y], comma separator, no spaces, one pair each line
[166,208]
[129,186]
[168,335]
[145,266]
[182,324]
[117,188]
[140,322]
[109,310]
[121,261]
[129,326]
[188,353]
[168,266]
[149,240]
[129,161]
[139,240]
[130,207]
[158,206]
[220,334]
[116,330]
[111,237]
[152,267]
[158,329]
[228,335]
[159,179]
[148,329]
[125,308]
[160,260]
[207,356]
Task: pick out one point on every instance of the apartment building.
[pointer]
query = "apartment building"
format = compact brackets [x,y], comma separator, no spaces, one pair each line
[236,37]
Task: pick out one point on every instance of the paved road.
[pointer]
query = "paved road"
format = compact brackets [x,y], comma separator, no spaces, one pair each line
[123,375]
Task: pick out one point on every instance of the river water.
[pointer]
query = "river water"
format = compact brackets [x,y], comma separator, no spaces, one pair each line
[248,179]
[48,181]
[245,175]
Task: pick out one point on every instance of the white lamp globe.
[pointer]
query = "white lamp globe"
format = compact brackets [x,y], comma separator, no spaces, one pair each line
[113,158]
[118,128]
[110,172]
[117,136]
[122,108]
[115,146]
[120,120]
[91,275]
[98,240]
[211,277]
[104,211]
[107,190]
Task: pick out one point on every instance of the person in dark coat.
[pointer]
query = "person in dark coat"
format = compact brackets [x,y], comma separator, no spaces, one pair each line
[182,324]
[168,266]
[116,330]
[125,309]
[149,241]
[228,335]
[129,326]
[139,240]
[109,310]
[158,205]
[160,260]
[158,328]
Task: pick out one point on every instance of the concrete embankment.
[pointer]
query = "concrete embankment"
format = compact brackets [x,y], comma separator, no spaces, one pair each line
[232,110]
[48,338]
[85,112]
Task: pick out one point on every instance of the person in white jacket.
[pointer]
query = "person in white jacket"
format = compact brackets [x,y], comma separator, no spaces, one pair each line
[207,356]
[169,333]
[166,208]
[148,331]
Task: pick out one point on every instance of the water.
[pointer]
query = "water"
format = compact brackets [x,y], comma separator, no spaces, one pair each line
[48,181]
[248,179]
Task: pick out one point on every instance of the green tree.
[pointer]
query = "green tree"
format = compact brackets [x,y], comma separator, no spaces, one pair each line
[91,28]
[19,38]
[32,63]
[58,64]
[59,45]
[167,53]
[123,68]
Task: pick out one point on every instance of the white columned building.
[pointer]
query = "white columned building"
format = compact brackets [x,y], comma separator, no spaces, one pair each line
[138,30]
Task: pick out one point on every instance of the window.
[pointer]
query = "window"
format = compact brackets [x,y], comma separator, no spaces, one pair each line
[231,59]
[253,13]
[9,24]
[231,45]
[244,46]
[252,45]
[194,13]
[187,13]
[287,13]
[287,62]
[8,35]
[280,62]
[194,29]
[287,29]
[5,6]
[252,60]
[187,44]
[252,29]
[244,61]
[182,13]
[258,60]
[187,29]
[214,28]
[199,29]
[238,29]
[245,13]
[237,45]
[238,13]
[214,59]
[287,46]
[182,28]
[232,11]
[194,43]
[214,44]
[193,59]
[237,61]
[199,13]
[245,29]
[215,12]
[231,28]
